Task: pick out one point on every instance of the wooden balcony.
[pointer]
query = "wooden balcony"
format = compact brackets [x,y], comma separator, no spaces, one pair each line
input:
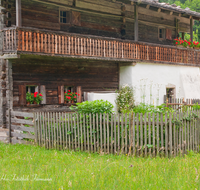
[43,42]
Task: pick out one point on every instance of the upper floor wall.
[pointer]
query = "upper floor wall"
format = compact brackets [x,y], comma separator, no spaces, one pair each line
[101,18]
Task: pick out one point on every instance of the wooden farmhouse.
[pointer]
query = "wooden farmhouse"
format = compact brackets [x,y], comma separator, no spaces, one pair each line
[51,46]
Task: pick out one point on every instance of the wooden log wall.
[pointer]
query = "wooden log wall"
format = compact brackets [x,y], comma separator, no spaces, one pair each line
[101,18]
[53,72]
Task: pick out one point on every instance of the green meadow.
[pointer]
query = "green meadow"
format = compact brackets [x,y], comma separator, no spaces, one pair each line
[32,167]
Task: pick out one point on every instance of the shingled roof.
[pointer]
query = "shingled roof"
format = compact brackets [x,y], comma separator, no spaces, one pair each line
[169,7]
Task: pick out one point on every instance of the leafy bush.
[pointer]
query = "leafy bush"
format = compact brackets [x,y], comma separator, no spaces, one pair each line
[145,108]
[93,107]
[125,100]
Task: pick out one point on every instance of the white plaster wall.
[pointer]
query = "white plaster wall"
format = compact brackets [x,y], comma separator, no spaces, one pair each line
[103,96]
[147,77]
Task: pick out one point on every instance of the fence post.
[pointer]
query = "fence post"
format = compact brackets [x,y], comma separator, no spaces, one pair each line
[170,134]
[35,127]
[9,125]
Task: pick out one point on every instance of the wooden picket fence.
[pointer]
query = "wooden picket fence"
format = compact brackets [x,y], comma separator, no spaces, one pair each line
[177,103]
[134,134]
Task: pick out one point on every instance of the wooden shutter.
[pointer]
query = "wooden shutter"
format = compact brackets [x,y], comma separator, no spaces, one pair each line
[60,94]
[168,34]
[22,94]
[76,18]
[43,92]
[79,91]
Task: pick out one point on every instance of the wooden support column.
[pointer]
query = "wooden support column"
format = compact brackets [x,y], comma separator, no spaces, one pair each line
[2,93]
[18,13]
[191,29]
[9,85]
[177,27]
[183,35]
[136,22]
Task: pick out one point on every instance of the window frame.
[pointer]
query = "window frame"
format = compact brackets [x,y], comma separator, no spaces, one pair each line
[69,20]
[71,88]
[163,33]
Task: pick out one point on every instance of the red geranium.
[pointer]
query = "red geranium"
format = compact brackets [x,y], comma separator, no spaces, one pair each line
[71,96]
[34,97]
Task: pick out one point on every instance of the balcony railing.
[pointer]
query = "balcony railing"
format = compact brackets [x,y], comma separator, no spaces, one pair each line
[28,40]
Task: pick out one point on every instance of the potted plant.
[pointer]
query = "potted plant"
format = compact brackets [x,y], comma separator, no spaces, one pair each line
[37,97]
[33,98]
[178,42]
[196,45]
[29,98]
[70,97]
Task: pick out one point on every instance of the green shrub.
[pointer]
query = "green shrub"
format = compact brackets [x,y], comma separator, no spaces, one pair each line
[125,100]
[96,106]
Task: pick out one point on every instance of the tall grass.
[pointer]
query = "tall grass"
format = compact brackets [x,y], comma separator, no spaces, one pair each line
[79,170]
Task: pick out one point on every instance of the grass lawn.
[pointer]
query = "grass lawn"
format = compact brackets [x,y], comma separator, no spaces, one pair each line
[30,167]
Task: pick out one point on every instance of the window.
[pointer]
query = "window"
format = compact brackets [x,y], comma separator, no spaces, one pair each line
[31,89]
[170,94]
[161,33]
[67,88]
[63,17]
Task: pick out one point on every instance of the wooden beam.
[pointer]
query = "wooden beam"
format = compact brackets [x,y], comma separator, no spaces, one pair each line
[136,22]
[147,6]
[171,13]
[191,29]
[9,56]
[18,13]
[159,10]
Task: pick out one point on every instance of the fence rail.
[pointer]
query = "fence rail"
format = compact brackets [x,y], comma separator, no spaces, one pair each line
[57,43]
[135,134]
[21,127]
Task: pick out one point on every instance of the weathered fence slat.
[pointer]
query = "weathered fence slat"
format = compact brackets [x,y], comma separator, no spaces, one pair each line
[141,134]
[166,135]
[137,128]
[108,134]
[104,132]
